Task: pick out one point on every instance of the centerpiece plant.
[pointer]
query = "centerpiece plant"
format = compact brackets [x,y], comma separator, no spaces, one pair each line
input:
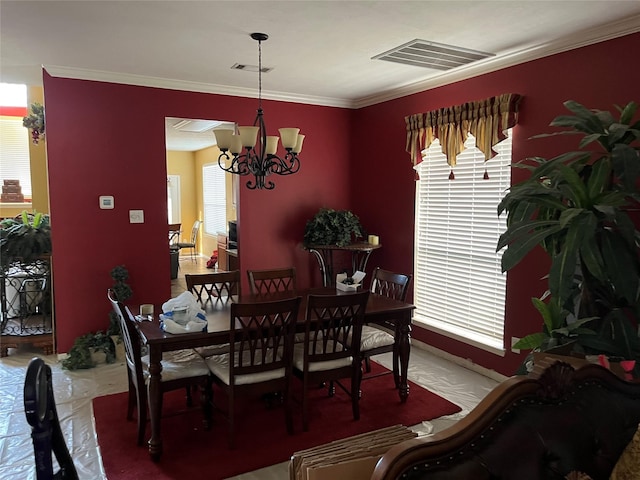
[332,227]
[579,207]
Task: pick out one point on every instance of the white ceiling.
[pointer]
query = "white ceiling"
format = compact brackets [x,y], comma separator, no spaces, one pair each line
[320,51]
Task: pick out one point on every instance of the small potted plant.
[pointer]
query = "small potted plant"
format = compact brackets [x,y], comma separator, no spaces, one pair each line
[122,292]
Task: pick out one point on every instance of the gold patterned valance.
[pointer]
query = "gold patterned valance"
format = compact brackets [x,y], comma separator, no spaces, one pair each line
[487,120]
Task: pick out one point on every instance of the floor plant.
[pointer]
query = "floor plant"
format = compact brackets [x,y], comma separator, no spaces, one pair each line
[580,207]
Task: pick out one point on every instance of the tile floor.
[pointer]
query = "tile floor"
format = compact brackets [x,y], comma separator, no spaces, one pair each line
[75,390]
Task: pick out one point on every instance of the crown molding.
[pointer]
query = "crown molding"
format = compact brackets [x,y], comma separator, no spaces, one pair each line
[170,84]
[581,39]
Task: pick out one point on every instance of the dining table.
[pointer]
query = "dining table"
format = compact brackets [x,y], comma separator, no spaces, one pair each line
[380,310]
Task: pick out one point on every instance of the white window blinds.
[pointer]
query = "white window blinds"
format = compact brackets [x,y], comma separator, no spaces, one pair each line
[215,199]
[459,287]
[14,153]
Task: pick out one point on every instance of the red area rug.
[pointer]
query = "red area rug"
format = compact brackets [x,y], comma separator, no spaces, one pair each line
[190,452]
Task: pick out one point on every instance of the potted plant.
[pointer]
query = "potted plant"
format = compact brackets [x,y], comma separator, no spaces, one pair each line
[332,227]
[578,207]
[24,239]
[122,292]
[100,347]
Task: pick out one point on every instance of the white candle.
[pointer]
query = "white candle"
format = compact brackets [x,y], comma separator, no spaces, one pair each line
[374,239]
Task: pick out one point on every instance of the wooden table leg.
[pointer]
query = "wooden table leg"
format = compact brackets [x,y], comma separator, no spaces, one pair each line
[155,402]
[404,348]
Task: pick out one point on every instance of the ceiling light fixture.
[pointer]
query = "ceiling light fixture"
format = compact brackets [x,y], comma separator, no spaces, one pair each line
[259,160]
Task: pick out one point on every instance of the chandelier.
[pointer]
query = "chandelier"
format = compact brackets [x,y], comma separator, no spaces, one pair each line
[253,152]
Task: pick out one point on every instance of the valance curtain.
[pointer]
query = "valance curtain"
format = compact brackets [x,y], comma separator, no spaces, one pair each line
[487,120]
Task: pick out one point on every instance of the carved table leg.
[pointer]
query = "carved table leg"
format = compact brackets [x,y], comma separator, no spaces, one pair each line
[155,402]
[404,348]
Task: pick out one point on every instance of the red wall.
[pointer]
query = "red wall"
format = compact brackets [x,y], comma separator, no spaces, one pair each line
[108,139]
[597,76]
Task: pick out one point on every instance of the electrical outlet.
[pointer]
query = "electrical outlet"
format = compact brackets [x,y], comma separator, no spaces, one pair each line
[514,340]
[136,216]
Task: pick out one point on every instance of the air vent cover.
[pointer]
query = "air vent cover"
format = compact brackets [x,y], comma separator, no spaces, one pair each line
[249,68]
[421,53]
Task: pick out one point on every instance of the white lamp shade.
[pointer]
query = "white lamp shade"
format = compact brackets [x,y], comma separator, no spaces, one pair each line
[223,138]
[298,147]
[272,144]
[236,145]
[248,136]
[289,137]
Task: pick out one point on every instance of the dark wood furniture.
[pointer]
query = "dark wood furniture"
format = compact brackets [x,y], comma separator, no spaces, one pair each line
[214,287]
[269,282]
[379,309]
[536,428]
[331,347]
[360,253]
[227,257]
[188,370]
[174,233]
[260,353]
[41,413]
[374,340]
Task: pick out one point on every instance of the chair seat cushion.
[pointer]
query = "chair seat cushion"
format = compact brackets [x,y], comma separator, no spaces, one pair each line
[179,364]
[219,366]
[373,337]
[211,350]
[298,361]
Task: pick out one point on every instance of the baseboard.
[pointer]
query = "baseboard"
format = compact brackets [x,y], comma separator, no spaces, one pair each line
[463,362]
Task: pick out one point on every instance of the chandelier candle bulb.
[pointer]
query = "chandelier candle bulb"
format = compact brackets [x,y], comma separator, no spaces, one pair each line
[289,137]
[374,239]
[236,145]
[298,147]
[223,138]
[272,144]
[248,136]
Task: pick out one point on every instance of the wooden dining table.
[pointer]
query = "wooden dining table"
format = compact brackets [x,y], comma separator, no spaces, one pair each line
[380,310]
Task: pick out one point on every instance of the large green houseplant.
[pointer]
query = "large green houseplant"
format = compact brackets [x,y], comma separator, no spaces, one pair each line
[577,206]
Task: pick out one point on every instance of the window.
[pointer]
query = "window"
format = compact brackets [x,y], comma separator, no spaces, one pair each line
[14,138]
[215,199]
[459,286]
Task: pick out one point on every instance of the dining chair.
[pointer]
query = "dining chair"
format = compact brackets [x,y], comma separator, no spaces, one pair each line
[192,243]
[174,233]
[331,347]
[270,282]
[375,340]
[41,413]
[180,369]
[214,290]
[259,358]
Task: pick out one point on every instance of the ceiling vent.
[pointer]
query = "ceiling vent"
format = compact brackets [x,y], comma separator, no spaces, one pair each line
[193,126]
[250,68]
[421,53]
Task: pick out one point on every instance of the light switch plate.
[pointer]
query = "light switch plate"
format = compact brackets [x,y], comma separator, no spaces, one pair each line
[136,216]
